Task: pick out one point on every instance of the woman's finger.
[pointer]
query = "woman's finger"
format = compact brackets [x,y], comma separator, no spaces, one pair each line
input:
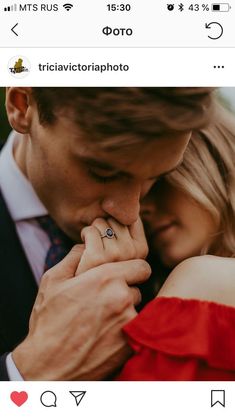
[124,240]
[94,250]
[138,235]
[111,246]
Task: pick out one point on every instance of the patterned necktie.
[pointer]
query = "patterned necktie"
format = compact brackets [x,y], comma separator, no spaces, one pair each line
[60,243]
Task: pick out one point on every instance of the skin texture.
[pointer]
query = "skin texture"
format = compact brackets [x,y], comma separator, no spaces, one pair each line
[74,191]
[128,243]
[75,326]
[206,277]
[84,301]
[178,226]
[75,306]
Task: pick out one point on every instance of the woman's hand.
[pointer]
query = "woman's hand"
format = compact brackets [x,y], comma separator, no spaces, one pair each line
[128,243]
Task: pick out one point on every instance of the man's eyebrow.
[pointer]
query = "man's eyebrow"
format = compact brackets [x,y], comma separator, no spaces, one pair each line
[103,165]
[97,163]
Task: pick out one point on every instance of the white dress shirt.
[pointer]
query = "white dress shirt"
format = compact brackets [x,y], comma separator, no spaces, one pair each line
[24,206]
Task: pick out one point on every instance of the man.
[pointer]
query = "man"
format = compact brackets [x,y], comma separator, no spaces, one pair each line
[78,154]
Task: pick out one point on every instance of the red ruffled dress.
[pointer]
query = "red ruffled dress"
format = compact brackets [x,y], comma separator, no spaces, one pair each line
[181,339]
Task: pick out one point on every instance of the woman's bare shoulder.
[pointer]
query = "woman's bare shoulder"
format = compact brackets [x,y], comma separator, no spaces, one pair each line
[206,277]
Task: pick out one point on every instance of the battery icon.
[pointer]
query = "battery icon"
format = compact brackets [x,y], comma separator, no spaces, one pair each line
[220,7]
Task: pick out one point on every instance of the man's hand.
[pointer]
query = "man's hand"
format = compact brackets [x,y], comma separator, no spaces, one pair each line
[75,326]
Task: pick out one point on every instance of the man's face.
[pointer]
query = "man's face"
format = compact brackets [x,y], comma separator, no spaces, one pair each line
[79,180]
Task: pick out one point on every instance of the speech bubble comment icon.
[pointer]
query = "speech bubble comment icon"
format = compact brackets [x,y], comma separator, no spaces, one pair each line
[48,399]
[217,397]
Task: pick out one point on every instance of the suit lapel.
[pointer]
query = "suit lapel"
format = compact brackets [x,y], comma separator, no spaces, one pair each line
[18,288]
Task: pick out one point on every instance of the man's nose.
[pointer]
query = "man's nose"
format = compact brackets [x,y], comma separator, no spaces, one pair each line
[124,206]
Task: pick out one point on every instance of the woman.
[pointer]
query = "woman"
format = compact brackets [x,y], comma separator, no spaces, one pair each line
[191,211]
[184,333]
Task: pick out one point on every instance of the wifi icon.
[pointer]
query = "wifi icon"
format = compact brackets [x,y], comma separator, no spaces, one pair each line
[68,6]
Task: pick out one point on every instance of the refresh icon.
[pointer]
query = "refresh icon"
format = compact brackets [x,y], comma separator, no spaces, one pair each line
[220,30]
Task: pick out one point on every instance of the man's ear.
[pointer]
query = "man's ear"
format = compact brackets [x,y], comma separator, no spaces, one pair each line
[17,105]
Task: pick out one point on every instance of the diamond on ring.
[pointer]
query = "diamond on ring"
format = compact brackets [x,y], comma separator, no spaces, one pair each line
[109,233]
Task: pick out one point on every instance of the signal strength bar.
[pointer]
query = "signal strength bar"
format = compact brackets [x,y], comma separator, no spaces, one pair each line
[12,8]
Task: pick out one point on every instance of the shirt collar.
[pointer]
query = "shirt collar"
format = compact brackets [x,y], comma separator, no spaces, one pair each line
[19,195]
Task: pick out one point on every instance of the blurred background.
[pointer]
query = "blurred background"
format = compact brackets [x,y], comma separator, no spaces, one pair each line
[4,126]
[226,95]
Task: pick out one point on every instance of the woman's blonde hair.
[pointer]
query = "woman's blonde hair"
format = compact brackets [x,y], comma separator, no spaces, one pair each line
[207,175]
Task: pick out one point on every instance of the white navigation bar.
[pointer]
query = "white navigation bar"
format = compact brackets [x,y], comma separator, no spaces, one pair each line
[117,399]
[118,67]
[138,23]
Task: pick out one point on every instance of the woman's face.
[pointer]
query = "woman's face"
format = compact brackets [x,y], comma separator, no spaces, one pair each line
[177,227]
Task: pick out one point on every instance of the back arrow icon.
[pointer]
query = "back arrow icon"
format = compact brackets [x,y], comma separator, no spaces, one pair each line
[12,29]
[208,26]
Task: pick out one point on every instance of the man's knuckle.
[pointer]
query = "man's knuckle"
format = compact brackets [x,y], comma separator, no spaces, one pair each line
[47,276]
[47,281]
[106,278]
[124,298]
[144,268]
[130,314]
[119,300]
[137,296]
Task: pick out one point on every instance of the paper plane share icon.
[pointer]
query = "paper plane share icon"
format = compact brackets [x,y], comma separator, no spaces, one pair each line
[78,395]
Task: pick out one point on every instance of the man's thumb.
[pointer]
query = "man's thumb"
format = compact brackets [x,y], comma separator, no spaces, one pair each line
[67,267]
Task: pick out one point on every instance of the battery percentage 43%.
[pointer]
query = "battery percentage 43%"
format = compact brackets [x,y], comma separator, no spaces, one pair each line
[198,7]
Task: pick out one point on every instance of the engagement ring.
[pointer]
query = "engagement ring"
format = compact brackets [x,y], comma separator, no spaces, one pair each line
[109,233]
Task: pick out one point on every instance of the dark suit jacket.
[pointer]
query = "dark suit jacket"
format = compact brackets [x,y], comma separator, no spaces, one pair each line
[18,288]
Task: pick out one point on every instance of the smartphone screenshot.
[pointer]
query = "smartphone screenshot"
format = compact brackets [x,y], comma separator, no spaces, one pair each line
[117,208]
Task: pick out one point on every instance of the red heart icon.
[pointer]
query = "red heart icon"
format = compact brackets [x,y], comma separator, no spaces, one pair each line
[19,398]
